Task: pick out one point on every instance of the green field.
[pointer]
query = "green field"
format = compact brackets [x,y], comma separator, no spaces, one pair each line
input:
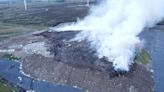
[15,20]
[8,30]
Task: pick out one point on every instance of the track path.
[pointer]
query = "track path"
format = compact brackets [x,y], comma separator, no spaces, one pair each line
[158,60]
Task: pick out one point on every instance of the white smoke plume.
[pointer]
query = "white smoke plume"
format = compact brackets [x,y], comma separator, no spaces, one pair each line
[113,27]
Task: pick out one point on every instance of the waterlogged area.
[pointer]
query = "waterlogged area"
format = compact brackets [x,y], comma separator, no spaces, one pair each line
[10,71]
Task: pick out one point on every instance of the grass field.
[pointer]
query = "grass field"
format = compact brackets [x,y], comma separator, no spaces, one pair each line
[14,20]
[8,30]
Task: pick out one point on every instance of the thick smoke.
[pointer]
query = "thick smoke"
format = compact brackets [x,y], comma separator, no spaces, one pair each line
[113,27]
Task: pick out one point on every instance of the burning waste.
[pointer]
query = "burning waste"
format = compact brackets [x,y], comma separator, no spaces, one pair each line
[113,26]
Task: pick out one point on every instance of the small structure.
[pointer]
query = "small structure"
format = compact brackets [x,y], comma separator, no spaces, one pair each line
[25,4]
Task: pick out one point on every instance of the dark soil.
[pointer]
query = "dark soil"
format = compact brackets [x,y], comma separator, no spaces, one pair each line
[77,54]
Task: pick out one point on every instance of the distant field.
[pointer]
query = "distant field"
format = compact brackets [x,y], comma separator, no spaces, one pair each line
[14,19]
[29,4]
[8,30]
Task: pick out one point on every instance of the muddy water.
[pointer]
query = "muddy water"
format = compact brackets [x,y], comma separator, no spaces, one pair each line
[154,39]
[10,71]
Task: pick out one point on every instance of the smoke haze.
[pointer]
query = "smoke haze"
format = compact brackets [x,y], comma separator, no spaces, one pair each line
[113,26]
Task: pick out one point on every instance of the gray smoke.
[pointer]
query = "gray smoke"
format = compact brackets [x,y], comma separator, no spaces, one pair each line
[113,27]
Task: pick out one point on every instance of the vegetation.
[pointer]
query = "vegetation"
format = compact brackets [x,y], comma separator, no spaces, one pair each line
[10,57]
[14,20]
[143,57]
[5,87]
[8,30]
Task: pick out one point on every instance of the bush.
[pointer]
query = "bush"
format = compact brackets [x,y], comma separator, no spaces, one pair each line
[10,57]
